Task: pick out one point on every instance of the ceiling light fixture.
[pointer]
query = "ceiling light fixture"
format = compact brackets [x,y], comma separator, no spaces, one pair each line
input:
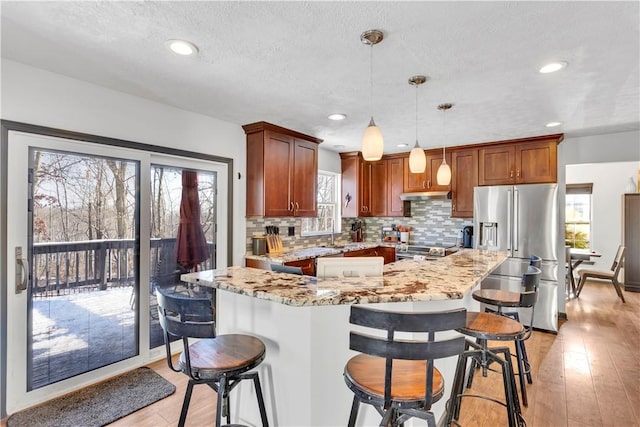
[337,116]
[552,67]
[403,145]
[553,124]
[372,141]
[444,171]
[182,47]
[417,158]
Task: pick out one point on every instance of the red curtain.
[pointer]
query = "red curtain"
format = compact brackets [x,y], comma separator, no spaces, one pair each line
[191,245]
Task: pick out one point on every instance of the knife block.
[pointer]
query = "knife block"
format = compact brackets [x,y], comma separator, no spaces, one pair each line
[274,244]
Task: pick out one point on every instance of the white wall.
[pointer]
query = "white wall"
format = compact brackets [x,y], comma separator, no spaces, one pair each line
[329,161]
[606,148]
[609,183]
[38,97]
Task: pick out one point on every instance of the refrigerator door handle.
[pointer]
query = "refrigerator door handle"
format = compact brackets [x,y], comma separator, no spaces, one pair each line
[509,222]
[516,214]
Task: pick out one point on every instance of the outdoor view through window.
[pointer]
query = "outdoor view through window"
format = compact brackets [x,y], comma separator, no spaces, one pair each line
[86,237]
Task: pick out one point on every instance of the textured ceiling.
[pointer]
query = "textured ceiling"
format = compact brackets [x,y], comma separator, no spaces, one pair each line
[293,63]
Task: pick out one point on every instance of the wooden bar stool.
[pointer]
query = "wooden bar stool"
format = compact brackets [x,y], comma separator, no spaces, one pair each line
[502,299]
[484,327]
[220,361]
[397,376]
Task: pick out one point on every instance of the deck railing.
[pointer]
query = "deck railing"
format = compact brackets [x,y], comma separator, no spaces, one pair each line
[60,268]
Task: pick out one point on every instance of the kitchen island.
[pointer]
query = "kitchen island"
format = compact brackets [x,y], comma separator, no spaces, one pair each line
[304,323]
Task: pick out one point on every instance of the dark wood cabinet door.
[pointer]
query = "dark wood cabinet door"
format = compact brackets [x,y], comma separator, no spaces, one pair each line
[388,253]
[378,188]
[278,167]
[413,182]
[464,176]
[304,179]
[395,178]
[349,201]
[496,165]
[434,160]
[307,265]
[364,188]
[536,162]
[631,231]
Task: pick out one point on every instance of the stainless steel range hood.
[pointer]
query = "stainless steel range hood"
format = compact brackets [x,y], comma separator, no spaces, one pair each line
[426,195]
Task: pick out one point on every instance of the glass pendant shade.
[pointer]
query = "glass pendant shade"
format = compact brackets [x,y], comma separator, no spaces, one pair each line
[417,160]
[444,174]
[372,142]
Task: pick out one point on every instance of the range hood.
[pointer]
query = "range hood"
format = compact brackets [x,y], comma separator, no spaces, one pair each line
[426,195]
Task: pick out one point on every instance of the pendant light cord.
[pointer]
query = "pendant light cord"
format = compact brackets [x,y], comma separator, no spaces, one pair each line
[444,134]
[417,114]
[371,80]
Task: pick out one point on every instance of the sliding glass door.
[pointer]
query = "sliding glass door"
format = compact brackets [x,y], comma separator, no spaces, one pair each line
[92,231]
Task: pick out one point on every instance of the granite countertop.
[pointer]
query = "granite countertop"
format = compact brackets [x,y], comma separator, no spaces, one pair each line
[450,277]
[314,252]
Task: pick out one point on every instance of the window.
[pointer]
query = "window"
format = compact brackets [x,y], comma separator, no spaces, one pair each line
[578,216]
[328,219]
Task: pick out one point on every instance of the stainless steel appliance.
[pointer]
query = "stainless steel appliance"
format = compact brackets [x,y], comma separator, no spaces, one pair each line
[523,220]
[427,252]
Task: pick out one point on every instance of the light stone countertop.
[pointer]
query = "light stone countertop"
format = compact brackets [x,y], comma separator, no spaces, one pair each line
[450,277]
[314,252]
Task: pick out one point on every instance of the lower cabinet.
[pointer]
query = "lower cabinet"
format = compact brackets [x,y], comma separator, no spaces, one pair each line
[308,265]
[388,253]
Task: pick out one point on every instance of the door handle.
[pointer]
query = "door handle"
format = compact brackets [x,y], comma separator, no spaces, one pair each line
[22,276]
[509,231]
[516,219]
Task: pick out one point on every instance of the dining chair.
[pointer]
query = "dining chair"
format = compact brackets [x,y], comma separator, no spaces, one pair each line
[220,361]
[397,375]
[611,275]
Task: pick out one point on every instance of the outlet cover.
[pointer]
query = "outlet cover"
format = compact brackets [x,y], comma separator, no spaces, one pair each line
[292,231]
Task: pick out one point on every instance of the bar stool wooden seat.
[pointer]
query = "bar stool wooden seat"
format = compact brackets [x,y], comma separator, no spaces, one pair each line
[220,361]
[501,299]
[484,327]
[397,376]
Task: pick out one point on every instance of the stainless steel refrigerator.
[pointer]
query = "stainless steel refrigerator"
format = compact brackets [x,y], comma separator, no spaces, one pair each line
[523,220]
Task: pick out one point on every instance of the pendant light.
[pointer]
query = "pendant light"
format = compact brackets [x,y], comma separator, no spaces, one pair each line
[444,171]
[372,142]
[417,158]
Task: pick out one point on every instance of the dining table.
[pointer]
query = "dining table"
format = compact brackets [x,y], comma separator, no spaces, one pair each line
[575,257]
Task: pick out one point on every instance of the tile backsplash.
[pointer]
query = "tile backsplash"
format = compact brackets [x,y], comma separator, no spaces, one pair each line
[430,221]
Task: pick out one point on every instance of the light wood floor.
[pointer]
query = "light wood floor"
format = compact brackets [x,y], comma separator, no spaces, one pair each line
[586,375]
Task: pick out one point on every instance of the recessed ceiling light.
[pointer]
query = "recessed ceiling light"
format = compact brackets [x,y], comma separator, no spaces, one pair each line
[403,145]
[553,67]
[337,116]
[553,124]
[182,47]
[338,146]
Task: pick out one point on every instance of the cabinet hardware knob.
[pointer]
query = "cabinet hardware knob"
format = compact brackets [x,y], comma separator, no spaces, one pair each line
[429,184]
[297,206]
[511,174]
[518,173]
[291,206]
[424,184]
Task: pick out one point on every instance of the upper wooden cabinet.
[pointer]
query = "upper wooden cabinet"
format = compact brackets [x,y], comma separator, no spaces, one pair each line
[372,188]
[282,171]
[530,161]
[427,180]
[464,176]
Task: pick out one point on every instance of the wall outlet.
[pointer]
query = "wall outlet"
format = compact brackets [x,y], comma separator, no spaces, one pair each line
[292,231]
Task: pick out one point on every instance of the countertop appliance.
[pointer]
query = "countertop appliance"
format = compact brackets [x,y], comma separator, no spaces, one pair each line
[467,237]
[523,220]
[427,252]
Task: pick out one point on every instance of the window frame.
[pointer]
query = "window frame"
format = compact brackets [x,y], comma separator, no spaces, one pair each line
[579,189]
[337,217]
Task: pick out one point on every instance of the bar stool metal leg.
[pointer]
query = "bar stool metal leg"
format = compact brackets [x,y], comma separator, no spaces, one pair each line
[511,403]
